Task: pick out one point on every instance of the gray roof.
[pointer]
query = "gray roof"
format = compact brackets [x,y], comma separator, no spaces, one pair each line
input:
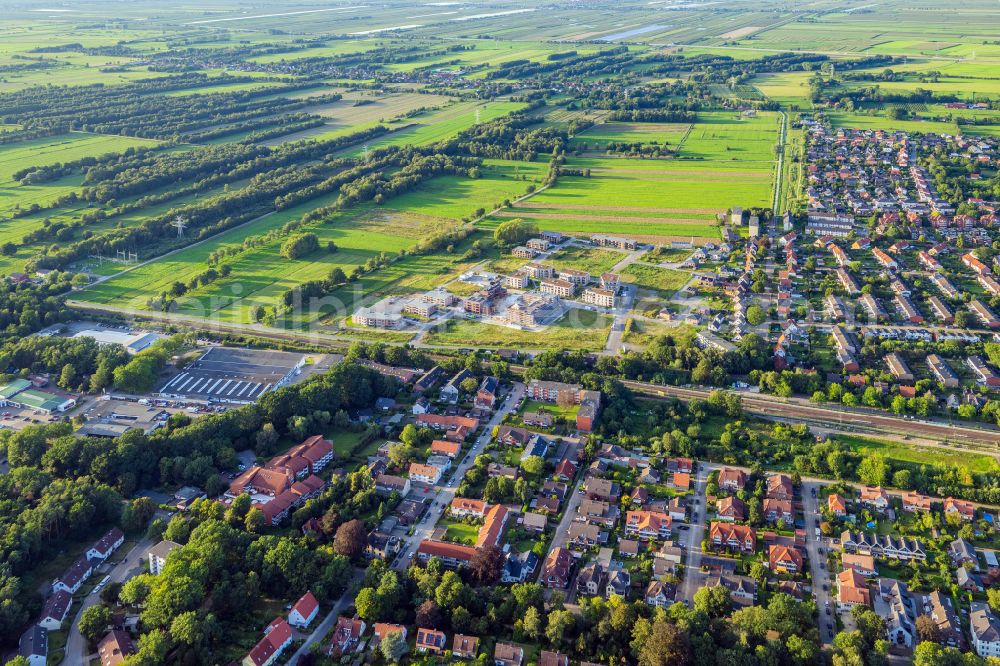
[35,641]
[985,626]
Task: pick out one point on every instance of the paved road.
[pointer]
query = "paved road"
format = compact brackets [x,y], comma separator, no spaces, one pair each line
[76,645]
[691,542]
[562,530]
[324,627]
[820,575]
[614,343]
[444,494]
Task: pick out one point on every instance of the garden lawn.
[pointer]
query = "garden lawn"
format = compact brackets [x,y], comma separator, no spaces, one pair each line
[558,411]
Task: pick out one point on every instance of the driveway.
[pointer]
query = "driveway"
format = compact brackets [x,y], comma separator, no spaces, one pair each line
[445,493]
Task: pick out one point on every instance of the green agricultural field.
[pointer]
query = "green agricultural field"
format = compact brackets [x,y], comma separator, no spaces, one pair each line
[260,276]
[728,136]
[578,329]
[856,120]
[455,197]
[594,261]
[360,110]
[48,151]
[651,200]
[439,125]
[790,89]
[598,136]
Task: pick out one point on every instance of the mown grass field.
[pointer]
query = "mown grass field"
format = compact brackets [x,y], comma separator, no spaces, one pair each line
[790,89]
[594,261]
[920,455]
[652,200]
[598,136]
[728,136]
[360,110]
[578,329]
[439,125]
[663,280]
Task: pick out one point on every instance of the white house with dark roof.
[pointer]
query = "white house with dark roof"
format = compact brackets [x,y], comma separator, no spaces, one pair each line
[107,544]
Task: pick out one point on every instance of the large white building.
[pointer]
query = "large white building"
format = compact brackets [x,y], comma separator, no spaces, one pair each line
[158,556]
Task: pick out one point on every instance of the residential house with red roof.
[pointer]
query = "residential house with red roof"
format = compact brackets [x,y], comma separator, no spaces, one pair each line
[782,559]
[836,505]
[732,479]
[779,486]
[733,537]
[107,544]
[440,447]
[304,611]
[114,647]
[277,637]
[778,509]
[547,658]
[464,647]
[852,590]
[731,509]
[965,510]
[451,554]
[493,526]
[875,497]
[648,525]
[508,654]
[914,502]
[557,568]
[55,610]
[383,629]
[462,507]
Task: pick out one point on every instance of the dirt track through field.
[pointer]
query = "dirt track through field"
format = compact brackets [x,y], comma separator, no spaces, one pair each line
[611,218]
[639,209]
[680,174]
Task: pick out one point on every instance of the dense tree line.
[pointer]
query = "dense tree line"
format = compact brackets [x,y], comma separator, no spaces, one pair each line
[653,116]
[568,65]
[133,109]
[37,515]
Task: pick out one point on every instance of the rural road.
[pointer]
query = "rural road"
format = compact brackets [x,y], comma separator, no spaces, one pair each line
[780,173]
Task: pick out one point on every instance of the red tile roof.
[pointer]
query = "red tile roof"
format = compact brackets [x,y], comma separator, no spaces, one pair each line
[306,605]
[280,631]
[492,529]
